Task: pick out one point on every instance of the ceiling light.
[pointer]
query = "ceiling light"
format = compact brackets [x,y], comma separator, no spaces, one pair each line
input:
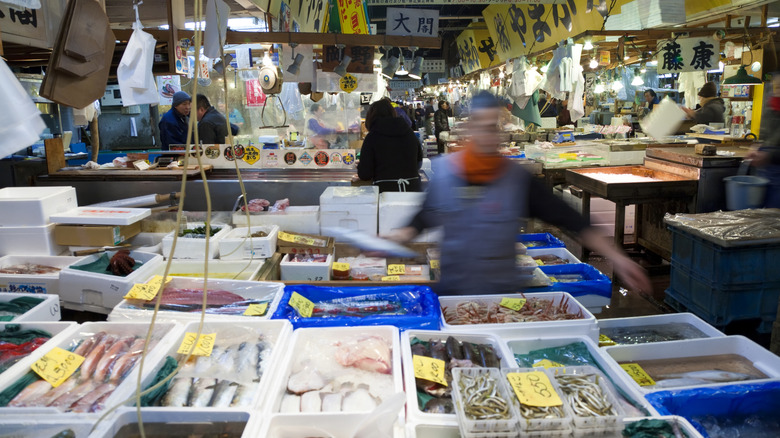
[341,69]
[402,71]
[741,78]
[416,72]
[637,79]
[616,83]
[588,45]
[594,64]
[377,62]
[392,65]
[755,67]
[643,68]
[599,87]
[501,74]
[295,67]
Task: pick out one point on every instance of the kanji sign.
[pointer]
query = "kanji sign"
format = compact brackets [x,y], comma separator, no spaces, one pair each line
[254,93]
[687,54]
[310,14]
[447,2]
[362,58]
[415,22]
[352,15]
[348,83]
[476,50]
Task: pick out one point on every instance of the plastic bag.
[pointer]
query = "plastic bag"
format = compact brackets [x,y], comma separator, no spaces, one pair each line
[760,226]
[134,73]
[20,121]
[217,12]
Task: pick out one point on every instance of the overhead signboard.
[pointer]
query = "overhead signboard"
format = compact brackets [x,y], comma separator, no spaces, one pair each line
[404,84]
[310,14]
[362,58]
[687,54]
[476,50]
[352,16]
[414,22]
[465,2]
[32,27]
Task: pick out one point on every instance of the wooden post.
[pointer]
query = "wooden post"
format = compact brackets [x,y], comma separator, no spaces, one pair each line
[95,131]
[764,15]
[55,154]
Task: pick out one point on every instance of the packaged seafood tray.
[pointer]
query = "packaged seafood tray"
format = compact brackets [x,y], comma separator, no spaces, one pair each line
[450,347]
[236,374]
[483,403]
[550,313]
[182,300]
[165,423]
[305,270]
[32,206]
[539,241]
[48,309]
[405,307]
[107,376]
[694,363]
[552,256]
[37,426]
[556,420]
[579,280]
[581,155]
[100,292]
[195,247]
[295,219]
[656,328]
[218,269]
[33,274]
[29,241]
[237,244]
[19,340]
[590,397]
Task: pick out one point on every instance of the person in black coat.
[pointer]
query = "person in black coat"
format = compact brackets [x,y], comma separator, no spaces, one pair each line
[391,155]
[441,123]
[212,126]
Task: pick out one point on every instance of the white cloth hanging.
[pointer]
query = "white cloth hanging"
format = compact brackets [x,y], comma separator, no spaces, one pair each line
[20,121]
[690,84]
[217,12]
[576,105]
[134,73]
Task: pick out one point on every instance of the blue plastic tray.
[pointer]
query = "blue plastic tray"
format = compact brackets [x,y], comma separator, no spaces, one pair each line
[547,240]
[595,282]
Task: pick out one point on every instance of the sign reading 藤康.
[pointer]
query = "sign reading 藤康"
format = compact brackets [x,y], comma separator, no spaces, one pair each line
[687,54]
[414,22]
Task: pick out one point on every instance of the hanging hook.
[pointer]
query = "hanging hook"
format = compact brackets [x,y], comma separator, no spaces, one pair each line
[136,4]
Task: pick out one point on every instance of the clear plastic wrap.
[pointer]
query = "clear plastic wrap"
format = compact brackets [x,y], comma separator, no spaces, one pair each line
[726,228]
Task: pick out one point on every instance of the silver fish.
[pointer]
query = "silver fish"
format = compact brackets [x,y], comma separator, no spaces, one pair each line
[202,390]
[676,383]
[246,361]
[223,394]
[227,359]
[710,375]
[244,396]
[204,363]
[178,392]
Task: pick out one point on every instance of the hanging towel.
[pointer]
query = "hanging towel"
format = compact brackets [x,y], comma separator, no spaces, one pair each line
[20,121]
[217,12]
[134,73]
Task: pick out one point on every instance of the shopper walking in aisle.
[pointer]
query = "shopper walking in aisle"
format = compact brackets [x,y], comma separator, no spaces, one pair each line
[419,116]
[212,126]
[712,107]
[429,113]
[441,123]
[479,197]
[174,123]
[766,157]
[391,155]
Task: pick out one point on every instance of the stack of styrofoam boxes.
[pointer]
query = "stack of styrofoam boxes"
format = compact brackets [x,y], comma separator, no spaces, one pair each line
[295,219]
[602,213]
[397,209]
[627,19]
[655,13]
[25,228]
[46,310]
[354,208]
[195,248]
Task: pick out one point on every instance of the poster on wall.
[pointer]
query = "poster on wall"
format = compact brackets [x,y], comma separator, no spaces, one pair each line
[254,93]
[167,86]
[687,54]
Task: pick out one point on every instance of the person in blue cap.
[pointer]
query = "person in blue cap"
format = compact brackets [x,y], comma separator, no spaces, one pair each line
[479,197]
[174,123]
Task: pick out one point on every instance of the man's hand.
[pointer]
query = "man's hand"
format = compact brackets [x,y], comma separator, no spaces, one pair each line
[633,275]
[760,158]
[402,235]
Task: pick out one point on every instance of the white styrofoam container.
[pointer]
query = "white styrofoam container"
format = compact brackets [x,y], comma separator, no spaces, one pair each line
[237,246]
[558,252]
[413,411]
[523,345]
[594,424]
[39,284]
[275,332]
[57,330]
[89,291]
[294,271]
[218,269]
[396,210]
[585,326]
[165,334]
[683,424]
[194,248]
[338,195]
[354,208]
[32,206]
[761,358]
[672,318]
[295,219]
[326,426]
[36,426]
[124,416]
[38,240]
[432,430]
[47,310]
[102,216]
[262,290]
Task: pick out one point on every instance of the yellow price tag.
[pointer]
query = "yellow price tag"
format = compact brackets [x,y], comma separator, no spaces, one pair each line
[396,269]
[605,341]
[57,365]
[303,305]
[534,389]
[305,240]
[639,375]
[202,348]
[512,303]
[434,264]
[146,291]
[341,266]
[553,279]
[568,156]
[546,363]
[430,369]
[256,309]
[539,262]
[391,278]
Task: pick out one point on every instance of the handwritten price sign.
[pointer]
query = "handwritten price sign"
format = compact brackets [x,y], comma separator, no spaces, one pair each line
[201,348]
[546,363]
[396,269]
[341,267]
[534,389]
[391,278]
[430,369]
[303,305]
[639,375]
[146,291]
[57,365]
[606,341]
[256,309]
[513,303]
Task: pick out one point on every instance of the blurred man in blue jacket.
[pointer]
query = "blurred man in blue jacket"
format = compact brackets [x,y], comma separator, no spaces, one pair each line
[174,123]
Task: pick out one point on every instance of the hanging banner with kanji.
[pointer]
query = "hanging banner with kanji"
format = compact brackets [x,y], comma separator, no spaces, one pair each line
[362,58]
[352,15]
[254,93]
[310,14]
[476,50]
[414,22]
[687,54]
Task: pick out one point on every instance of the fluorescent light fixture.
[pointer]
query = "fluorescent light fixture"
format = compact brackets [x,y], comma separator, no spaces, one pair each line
[341,69]
[599,87]
[416,71]
[588,45]
[295,67]
[390,68]
[637,81]
[594,64]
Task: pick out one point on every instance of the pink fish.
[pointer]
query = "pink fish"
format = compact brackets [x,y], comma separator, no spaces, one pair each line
[70,398]
[94,356]
[87,402]
[30,394]
[369,354]
[87,344]
[58,392]
[113,354]
[194,296]
[123,365]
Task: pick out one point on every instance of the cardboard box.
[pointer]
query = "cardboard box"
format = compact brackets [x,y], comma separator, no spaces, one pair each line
[94,235]
[287,247]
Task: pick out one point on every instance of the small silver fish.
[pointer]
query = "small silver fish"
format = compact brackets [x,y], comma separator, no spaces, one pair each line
[246,362]
[178,392]
[710,375]
[223,394]
[676,383]
[202,390]
[244,396]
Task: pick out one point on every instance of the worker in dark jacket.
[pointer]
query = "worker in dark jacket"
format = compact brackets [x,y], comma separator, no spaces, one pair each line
[712,107]
[766,158]
[391,155]
[212,126]
[441,123]
[174,123]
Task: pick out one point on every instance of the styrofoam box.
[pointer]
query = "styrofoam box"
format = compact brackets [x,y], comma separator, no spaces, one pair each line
[47,310]
[165,333]
[202,417]
[262,290]
[413,411]
[194,248]
[524,345]
[354,208]
[532,426]
[325,425]
[558,252]
[673,318]
[32,283]
[57,330]
[237,246]
[36,426]
[89,291]
[442,429]
[681,422]
[275,332]
[586,326]
[102,216]
[218,269]
[761,358]
[37,240]
[396,210]
[32,206]
[295,219]
[295,271]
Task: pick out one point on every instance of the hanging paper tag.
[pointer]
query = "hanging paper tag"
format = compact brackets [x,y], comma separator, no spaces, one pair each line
[513,303]
[605,341]
[434,264]
[430,369]
[146,291]
[546,363]
[534,389]
[57,365]
[202,348]
[639,375]
[341,267]
[396,269]
[256,309]
[303,305]
[391,278]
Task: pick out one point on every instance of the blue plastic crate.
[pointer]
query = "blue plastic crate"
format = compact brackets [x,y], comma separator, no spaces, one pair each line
[594,283]
[720,305]
[544,240]
[421,303]
[734,265]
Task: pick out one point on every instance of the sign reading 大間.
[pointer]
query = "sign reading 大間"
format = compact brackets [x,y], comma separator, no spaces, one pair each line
[414,22]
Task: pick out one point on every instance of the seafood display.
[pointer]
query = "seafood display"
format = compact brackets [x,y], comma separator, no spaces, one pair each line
[584,396]
[109,358]
[10,310]
[434,398]
[534,310]
[753,426]
[179,429]
[549,259]
[353,374]
[308,258]
[16,344]
[364,305]
[700,370]
[29,269]
[199,232]
[121,263]
[567,278]
[480,398]
[653,333]
[260,233]
[220,302]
